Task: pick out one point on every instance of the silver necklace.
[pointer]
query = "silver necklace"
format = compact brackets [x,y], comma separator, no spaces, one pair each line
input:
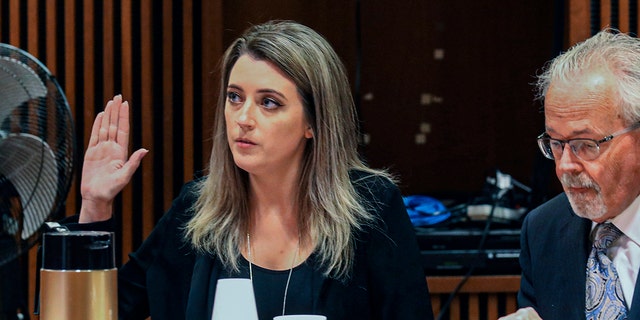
[286,288]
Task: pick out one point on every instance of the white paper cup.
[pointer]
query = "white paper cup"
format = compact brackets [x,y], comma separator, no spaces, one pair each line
[234,300]
[300,317]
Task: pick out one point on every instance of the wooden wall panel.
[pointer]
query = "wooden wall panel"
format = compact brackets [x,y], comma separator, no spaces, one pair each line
[147,102]
[481,297]
[167,152]
[161,55]
[211,30]
[14,22]
[605,13]
[127,75]
[578,21]
[68,83]
[619,14]
[187,89]
[623,13]
[32,25]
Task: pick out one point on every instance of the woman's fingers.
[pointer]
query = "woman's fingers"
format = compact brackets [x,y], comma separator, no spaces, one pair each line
[123,126]
[103,132]
[93,140]
[130,167]
[114,122]
[114,117]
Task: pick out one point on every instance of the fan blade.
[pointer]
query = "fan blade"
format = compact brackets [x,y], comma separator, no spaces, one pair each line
[18,84]
[29,164]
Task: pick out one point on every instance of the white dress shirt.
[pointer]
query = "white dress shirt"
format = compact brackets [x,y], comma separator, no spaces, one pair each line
[625,252]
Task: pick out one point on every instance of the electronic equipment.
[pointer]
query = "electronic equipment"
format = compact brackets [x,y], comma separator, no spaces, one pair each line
[455,251]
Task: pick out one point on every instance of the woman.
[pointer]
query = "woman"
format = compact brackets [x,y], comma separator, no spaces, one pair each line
[287,201]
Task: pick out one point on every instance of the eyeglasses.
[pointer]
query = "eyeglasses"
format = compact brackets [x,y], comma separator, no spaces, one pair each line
[583,148]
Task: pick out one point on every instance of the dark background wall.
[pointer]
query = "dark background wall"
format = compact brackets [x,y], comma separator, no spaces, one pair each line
[482,114]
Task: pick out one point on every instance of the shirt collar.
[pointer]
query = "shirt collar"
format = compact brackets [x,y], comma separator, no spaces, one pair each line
[629,221]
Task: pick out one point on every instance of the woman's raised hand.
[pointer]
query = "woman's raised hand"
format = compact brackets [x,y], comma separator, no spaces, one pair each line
[107,167]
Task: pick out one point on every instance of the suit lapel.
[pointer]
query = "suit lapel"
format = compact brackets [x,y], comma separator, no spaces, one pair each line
[634,312]
[203,289]
[575,249]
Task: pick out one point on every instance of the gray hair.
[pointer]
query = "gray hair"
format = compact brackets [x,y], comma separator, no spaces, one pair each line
[611,49]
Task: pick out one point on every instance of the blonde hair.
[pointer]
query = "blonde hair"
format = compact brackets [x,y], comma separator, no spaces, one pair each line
[330,209]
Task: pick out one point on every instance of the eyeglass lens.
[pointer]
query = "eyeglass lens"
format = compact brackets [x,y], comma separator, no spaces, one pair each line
[585,149]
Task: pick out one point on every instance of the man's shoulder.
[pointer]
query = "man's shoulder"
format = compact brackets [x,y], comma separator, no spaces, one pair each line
[554,216]
[554,207]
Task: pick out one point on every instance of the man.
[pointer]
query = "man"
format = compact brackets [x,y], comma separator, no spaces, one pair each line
[592,115]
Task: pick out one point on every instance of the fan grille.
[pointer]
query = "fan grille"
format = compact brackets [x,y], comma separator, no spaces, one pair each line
[37,148]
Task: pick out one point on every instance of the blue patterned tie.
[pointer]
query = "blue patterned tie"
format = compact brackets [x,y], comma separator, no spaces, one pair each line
[604,298]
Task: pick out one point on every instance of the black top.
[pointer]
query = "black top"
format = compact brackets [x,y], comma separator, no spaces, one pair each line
[269,287]
[166,279]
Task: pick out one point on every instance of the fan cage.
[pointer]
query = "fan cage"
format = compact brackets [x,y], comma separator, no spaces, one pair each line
[48,118]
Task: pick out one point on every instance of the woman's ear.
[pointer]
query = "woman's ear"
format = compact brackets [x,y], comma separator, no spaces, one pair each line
[308,133]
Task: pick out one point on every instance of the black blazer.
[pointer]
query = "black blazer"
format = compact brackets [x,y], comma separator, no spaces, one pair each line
[166,279]
[555,246]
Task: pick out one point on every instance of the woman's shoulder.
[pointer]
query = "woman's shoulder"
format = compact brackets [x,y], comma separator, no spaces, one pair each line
[372,180]
[376,189]
[182,207]
[191,190]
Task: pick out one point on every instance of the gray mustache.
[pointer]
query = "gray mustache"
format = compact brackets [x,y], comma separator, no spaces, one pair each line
[578,181]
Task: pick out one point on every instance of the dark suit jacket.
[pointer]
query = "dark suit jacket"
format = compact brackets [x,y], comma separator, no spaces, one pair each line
[166,279]
[555,245]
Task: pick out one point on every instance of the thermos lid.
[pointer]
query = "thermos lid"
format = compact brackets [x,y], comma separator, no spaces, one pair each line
[78,250]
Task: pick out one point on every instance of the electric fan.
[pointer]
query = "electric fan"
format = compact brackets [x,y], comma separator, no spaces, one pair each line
[37,148]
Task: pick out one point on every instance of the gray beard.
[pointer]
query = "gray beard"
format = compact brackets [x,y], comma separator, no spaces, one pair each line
[585,206]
